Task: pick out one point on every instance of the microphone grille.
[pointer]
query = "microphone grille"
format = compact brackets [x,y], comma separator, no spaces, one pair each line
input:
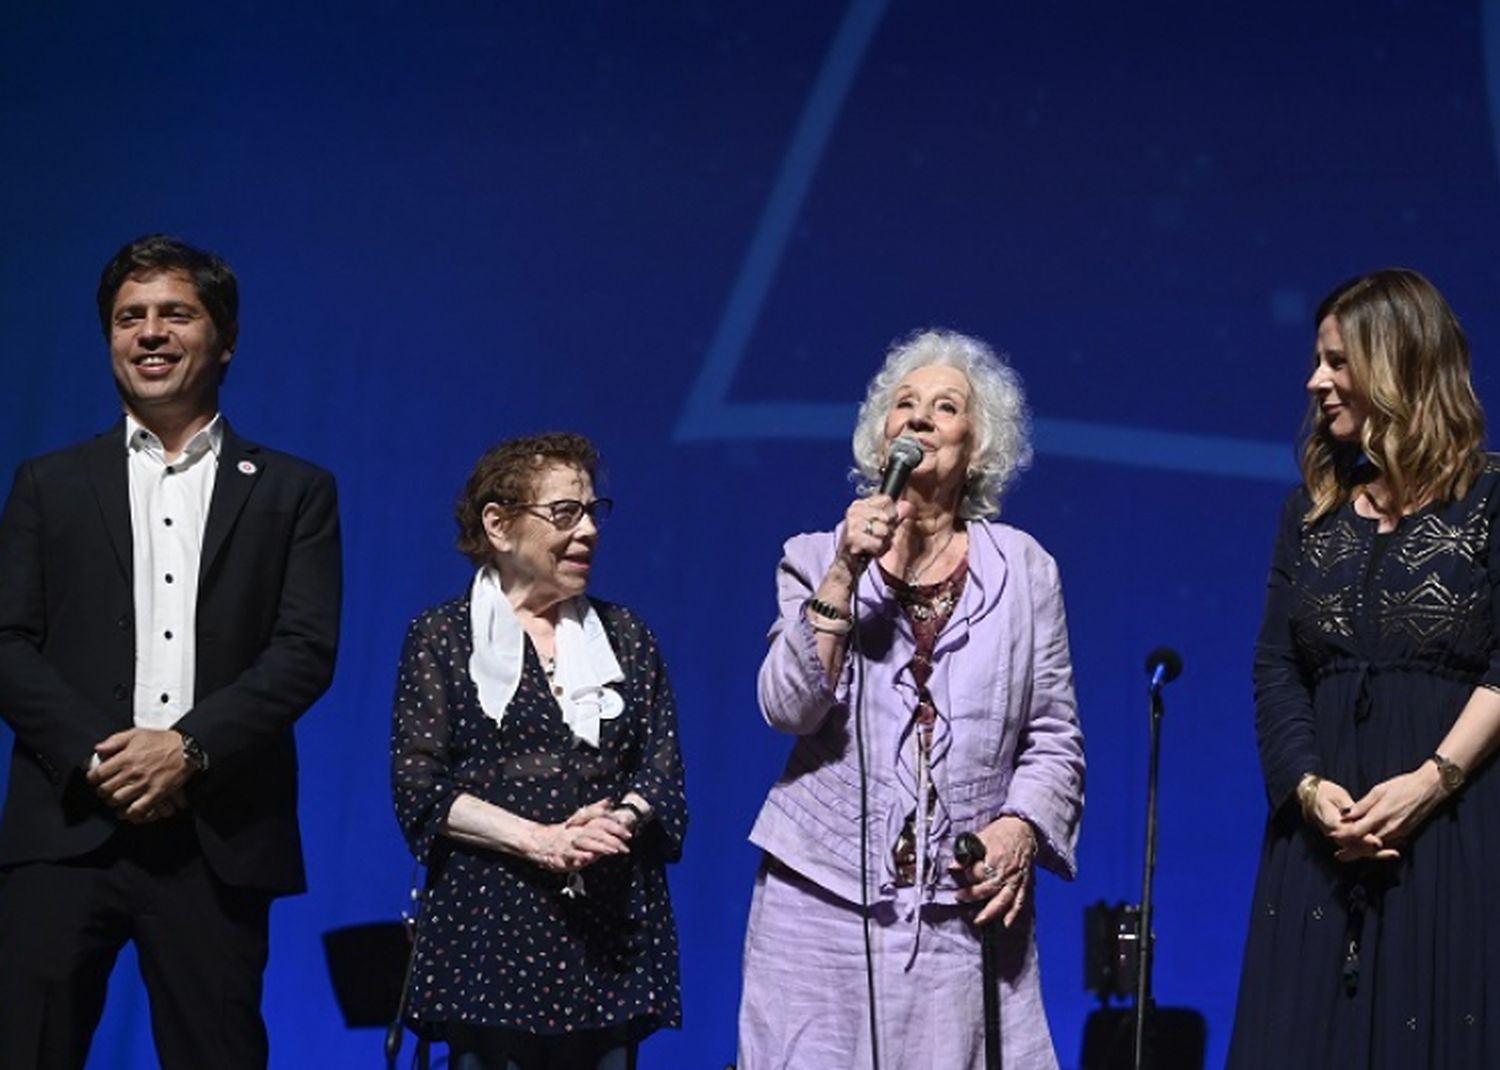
[1169,660]
[905,451]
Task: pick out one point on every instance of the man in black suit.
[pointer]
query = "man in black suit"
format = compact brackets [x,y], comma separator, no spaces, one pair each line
[169,606]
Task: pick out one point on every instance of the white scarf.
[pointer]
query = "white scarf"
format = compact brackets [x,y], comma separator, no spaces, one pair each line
[586,666]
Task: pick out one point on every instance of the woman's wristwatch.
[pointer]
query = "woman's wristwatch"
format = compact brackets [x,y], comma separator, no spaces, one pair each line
[640,815]
[1449,772]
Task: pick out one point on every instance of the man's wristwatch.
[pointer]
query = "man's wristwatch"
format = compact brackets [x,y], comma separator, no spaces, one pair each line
[193,752]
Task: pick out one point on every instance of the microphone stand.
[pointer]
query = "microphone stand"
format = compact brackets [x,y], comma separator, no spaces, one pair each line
[1143,933]
[397,1028]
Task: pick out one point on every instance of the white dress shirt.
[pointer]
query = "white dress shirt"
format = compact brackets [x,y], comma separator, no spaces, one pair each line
[168,509]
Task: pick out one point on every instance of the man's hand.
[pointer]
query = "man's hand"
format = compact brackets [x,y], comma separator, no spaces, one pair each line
[141,773]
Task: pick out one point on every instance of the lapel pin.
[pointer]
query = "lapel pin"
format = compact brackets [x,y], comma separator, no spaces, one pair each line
[247,468]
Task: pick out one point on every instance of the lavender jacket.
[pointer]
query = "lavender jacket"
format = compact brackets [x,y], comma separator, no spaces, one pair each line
[1007,739]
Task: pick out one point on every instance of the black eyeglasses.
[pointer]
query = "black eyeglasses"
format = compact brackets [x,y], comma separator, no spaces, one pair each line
[565,513]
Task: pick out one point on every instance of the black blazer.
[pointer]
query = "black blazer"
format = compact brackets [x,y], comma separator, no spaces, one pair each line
[269,591]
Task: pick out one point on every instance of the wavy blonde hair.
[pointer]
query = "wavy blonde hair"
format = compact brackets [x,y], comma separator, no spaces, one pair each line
[1409,359]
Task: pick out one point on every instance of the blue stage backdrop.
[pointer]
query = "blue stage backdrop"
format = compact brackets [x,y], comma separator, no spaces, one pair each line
[690,230]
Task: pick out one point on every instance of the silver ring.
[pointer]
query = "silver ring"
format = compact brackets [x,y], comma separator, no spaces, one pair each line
[990,872]
[870,526]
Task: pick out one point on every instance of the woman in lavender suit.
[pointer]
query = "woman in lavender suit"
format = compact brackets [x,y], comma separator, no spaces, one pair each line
[952,626]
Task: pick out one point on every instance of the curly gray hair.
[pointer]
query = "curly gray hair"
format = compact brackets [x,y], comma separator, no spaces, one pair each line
[1002,423]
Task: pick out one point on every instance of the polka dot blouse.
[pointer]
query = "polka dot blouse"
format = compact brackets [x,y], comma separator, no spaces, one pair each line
[499,943]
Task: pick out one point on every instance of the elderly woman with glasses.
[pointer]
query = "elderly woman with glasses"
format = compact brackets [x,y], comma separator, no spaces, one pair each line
[537,775]
[920,657]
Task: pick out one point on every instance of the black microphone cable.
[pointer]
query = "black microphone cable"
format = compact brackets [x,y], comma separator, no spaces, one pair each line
[904,455]
[864,818]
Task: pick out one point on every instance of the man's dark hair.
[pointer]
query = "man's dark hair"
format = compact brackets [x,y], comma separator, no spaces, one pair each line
[212,278]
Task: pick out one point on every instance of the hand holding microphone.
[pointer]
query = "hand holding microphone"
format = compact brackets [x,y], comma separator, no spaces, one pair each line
[870,523]
[869,526]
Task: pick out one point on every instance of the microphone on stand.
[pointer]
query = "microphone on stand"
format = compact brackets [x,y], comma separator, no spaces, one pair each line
[1163,665]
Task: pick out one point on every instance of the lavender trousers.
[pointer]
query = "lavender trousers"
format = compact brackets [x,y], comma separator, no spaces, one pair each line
[805,1004]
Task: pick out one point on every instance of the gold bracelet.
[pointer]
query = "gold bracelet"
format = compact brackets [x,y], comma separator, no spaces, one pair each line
[1307,797]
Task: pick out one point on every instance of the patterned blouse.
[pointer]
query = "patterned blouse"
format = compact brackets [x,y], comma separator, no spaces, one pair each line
[499,943]
[927,608]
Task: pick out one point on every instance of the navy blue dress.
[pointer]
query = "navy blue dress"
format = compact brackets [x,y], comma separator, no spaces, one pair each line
[1370,647]
[499,943]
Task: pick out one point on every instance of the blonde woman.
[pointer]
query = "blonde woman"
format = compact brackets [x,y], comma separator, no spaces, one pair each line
[1372,936]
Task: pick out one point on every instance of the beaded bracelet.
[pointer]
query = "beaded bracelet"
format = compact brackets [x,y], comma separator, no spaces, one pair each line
[823,609]
[843,628]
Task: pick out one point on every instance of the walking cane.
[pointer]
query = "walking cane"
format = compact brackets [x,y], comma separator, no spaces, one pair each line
[968,849]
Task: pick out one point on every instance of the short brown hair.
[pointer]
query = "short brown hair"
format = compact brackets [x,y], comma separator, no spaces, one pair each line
[508,473]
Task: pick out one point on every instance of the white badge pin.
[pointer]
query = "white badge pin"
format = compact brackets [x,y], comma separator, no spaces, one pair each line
[247,468]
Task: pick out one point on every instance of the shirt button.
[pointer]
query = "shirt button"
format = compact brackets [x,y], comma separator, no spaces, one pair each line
[124,622]
[120,692]
[167,521]
[166,698]
[557,690]
[169,577]
[168,634]
[170,469]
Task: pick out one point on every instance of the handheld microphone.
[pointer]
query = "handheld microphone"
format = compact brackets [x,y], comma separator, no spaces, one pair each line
[1163,665]
[903,457]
